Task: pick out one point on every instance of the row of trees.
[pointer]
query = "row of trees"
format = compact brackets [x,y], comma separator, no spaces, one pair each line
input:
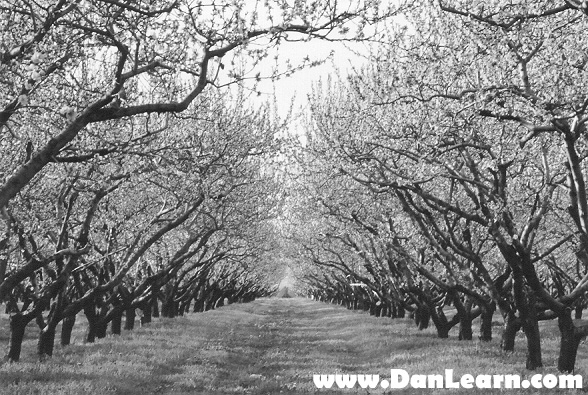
[180,221]
[127,180]
[451,172]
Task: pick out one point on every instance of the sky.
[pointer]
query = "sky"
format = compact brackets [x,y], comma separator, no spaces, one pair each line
[299,85]
[338,56]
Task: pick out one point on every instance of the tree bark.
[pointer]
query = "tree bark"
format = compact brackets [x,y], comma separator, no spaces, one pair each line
[486,323]
[130,316]
[531,329]
[101,328]
[385,312]
[46,342]
[91,316]
[525,303]
[579,311]
[155,306]
[443,331]
[571,336]
[18,324]
[168,308]
[116,323]
[466,315]
[439,318]
[366,305]
[198,306]
[422,317]
[66,329]
[400,312]
[146,318]
[465,327]
[512,324]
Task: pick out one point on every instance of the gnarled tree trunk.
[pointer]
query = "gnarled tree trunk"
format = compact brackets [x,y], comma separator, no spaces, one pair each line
[130,316]
[571,336]
[18,324]
[66,329]
[92,317]
[512,325]
[486,322]
[531,329]
[116,323]
[146,317]
[46,341]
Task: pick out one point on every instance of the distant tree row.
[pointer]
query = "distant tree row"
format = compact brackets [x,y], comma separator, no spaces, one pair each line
[176,224]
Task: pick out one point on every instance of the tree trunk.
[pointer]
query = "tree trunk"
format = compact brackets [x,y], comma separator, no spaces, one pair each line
[66,329]
[525,302]
[130,319]
[40,320]
[198,306]
[155,307]
[570,340]
[11,306]
[422,317]
[208,304]
[101,327]
[533,347]
[366,305]
[465,327]
[579,312]
[116,323]
[442,325]
[185,307]
[512,324]
[18,324]
[531,329]
[46,342]
[486,324]
[443,331]
[91,331]
[146,318]
[168,309]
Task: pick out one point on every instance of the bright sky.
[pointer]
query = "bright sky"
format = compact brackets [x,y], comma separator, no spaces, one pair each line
[299,85]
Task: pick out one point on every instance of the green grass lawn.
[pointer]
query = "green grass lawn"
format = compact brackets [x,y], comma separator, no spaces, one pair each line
[270,346]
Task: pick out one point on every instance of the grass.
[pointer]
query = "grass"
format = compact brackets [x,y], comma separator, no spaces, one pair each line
[270,346]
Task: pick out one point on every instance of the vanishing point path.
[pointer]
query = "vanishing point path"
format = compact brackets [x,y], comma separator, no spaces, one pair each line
[270,346]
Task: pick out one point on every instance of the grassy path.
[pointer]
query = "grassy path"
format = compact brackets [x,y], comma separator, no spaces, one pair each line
[270,346]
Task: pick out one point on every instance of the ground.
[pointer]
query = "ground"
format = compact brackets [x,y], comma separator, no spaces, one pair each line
[270,346]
